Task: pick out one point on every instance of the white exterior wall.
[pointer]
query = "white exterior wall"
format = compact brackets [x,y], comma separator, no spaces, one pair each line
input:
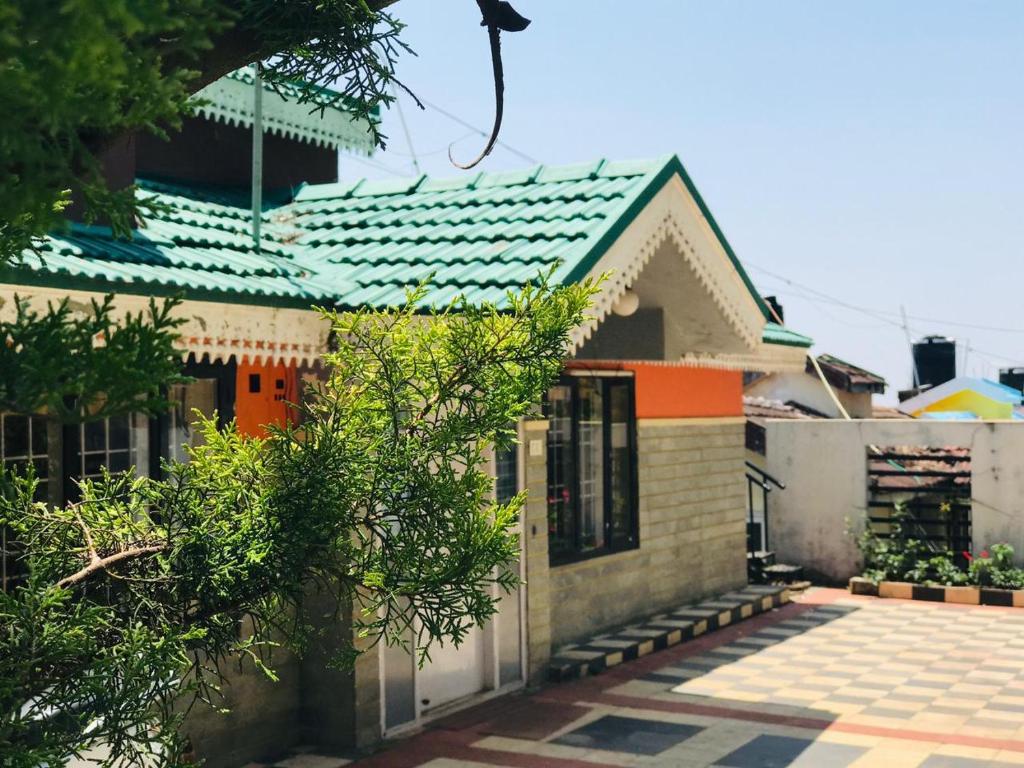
[808,390]
[824,466]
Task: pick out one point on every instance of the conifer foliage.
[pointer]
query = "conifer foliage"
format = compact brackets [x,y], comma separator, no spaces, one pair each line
[138,598]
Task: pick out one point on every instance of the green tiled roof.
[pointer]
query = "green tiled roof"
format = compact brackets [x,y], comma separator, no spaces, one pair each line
[777,334]
[362,243]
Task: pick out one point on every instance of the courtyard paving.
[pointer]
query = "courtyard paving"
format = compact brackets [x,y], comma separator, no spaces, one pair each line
[829,680]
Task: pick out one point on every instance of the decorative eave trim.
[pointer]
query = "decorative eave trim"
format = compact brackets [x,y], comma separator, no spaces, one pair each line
[215,331]
[768,358]
[230,101]
[673,215]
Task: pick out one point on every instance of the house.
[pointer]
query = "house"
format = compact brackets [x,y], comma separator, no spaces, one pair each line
[853,387]
[635,472]
[965,398]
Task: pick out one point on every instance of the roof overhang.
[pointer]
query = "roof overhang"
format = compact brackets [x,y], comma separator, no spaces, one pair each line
[214,331]
[704,296]
[230,100]
[766,358]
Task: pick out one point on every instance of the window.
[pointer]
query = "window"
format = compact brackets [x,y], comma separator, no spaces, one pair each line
[179,428]
[508,622]
[118,444]
[506,465]
[592,497]
[22,442]
[211,392]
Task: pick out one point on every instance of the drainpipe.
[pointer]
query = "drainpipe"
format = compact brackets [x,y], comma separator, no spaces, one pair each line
[257,157]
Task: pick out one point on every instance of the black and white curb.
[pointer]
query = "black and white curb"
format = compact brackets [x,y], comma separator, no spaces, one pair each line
[663,631]
[902,590]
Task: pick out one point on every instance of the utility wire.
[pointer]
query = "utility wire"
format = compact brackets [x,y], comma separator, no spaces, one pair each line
[405,128]
[433,152]
[880,312]
[819,297]
[477,130]
[378,166]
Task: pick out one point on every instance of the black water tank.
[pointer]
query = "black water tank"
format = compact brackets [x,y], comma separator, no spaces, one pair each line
[935,359]
[1012,377]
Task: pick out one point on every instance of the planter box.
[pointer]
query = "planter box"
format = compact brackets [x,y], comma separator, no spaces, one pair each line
[929,594]
[861,586]
[903,590]
[1005,597]
[963,595]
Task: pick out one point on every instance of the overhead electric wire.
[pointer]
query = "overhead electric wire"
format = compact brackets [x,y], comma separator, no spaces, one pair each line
[820,298]
[378,166]
[879,312]
[405,129]
[475,129]
[431,153]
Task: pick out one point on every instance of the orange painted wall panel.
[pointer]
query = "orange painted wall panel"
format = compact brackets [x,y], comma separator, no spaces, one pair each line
[262,395]
[675,392]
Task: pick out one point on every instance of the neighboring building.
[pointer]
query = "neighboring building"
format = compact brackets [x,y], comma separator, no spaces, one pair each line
[635,473]
[793,395]
[965,398]
[1012,377]
[853,386]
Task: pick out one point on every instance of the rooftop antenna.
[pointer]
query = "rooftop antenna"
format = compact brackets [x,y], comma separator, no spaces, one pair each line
[405,128]
[257,156]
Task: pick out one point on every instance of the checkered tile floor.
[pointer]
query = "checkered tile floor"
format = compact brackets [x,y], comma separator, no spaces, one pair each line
[829,681]
[923,666]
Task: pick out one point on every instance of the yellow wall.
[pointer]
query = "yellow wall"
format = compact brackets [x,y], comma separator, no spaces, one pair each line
[969,400]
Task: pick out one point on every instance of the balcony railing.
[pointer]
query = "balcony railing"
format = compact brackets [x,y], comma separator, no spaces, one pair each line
[759,485]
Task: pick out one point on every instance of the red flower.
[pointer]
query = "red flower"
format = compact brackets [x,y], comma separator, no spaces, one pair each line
[967,555]
[984,553]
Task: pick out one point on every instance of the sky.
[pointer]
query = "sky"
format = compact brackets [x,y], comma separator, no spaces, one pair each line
[861,157]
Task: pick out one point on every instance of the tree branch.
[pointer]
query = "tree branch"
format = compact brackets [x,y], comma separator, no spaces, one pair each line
[104,563]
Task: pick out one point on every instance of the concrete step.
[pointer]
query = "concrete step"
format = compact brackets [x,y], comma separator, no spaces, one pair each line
[663,631]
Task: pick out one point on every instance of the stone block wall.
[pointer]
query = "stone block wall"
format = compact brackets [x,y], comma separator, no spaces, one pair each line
[692,519]
[264,716]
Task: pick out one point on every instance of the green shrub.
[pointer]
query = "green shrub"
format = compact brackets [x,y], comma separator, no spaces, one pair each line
[995,568]
[896,557]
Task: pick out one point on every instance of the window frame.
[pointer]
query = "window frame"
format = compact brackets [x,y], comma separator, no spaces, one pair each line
[610,545]
[225,374]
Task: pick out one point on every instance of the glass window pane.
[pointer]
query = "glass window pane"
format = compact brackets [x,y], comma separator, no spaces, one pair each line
[38,436]
[561,522]
[92,464]
[622,460]
[42,467]
[16,436]
[119,461]
[506,464]
[591,468]
[200,395]
[119,435]
[95,433]
[139,457]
